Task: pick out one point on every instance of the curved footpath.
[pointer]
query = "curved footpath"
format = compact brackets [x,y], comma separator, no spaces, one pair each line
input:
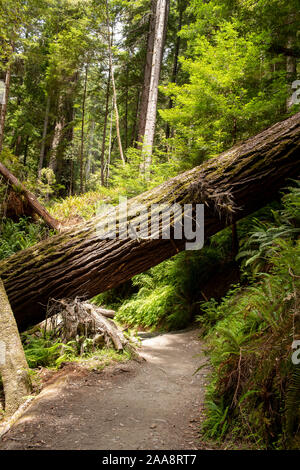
[152,404]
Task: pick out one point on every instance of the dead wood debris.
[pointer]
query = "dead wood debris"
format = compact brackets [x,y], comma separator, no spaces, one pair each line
[71,320]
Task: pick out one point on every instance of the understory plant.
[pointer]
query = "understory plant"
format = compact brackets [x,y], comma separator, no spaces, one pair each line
[255,386]
[16,236]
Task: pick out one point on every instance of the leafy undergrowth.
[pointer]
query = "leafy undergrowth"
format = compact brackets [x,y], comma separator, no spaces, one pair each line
[168,294]
[16,236]
[44,350]
[255,388]
[82,206]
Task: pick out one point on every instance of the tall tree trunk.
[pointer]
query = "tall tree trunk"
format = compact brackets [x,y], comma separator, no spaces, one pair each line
[161,18]
[4,105]
[134,136]
[109,146]
[181,7]
[57,135]
[81,155]
[147,74]
[43,144]
[114,86]
[90,152]
[105,127]
[71,177]
[13,365]
[126,104]
[291,71]
[18,145]
[80,262]
[26,150]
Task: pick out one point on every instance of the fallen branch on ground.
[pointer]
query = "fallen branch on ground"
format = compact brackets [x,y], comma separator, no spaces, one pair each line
[76,320]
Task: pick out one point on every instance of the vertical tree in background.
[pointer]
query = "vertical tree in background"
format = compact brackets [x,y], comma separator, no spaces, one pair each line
[181,6]
[4,104]
[105,127]
[113,84]
[81,155]
[147,73]
[161,17]
[43,144]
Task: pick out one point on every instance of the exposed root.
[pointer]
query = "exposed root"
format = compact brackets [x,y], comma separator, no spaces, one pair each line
[76,320]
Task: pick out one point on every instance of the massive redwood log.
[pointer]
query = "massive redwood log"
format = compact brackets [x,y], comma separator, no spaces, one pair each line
[79,263]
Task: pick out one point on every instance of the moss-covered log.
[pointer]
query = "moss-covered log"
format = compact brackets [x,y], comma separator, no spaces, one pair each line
[80,263]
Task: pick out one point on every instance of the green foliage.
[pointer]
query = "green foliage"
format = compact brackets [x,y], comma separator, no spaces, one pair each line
[255,386]
[219,105]
[168,294]
[262,238]
[216,425]
[83,206]
[16,236]
[44,350]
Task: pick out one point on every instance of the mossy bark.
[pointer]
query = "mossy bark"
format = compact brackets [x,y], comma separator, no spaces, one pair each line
[80,263]
[13,365]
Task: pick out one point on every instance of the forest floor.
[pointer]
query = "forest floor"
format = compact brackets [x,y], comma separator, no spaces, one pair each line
[152,403]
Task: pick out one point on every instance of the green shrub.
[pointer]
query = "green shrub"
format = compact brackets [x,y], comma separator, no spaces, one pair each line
[16,236]
[44,351]
[250,349]
[255,387]
[168,294]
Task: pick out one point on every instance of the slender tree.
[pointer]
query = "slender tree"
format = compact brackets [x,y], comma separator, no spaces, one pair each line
[143,102]
[5,102]
[81,155]
[160,26]
[181,5]
[105,127]
[114,85]
[43,144]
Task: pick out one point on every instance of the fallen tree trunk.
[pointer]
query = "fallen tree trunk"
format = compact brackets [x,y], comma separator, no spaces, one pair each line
[30,198]
[80,263]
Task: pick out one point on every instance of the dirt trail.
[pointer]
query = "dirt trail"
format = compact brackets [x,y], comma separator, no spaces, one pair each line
[152,404]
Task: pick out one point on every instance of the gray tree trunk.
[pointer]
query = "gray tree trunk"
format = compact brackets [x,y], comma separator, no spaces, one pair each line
[105,128]
[114,86]
[42,152]
[143,105]
[81,155]
[4,106]
[291,70]
[160,26]
[57,136]
[13,365]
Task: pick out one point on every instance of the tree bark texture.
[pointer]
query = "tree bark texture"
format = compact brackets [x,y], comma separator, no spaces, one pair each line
[80,263]
[160,27]
[13,365]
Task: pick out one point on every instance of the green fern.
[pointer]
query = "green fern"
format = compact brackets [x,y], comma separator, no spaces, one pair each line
[292,404]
